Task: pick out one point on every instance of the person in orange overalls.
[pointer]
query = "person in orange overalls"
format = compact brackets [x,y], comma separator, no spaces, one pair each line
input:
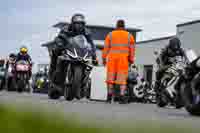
[118,54]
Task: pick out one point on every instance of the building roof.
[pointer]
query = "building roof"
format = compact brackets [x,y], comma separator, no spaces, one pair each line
[155,39]
[188,23]
[62,24]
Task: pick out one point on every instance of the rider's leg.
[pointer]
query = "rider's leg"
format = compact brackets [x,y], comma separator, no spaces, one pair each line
[53,62]
[59,78]
[158,78]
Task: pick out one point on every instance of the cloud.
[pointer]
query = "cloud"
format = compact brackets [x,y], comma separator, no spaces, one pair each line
[30,21]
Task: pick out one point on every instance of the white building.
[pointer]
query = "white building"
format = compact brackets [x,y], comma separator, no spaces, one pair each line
[189,34]
[145,59]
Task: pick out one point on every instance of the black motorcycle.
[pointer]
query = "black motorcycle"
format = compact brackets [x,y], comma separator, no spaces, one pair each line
[190,87]
[22,76]
[76,60]
[40,83]
[150,94]
[10,77]
[132,82]
[169,90]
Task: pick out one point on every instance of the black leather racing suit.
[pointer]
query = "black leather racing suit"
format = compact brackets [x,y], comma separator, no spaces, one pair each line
[27,58]
[164,62]
[60,43]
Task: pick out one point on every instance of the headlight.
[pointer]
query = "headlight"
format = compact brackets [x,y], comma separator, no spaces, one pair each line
[41,80]
[198,63]
[87,58]
[73,55]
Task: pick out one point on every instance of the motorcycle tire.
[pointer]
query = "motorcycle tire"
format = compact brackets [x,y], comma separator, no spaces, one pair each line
[20,86]
[76,83]
[69,93]
[161,100]
[1,84]
[192,109]
[130,93]
[10,86]
[179,102]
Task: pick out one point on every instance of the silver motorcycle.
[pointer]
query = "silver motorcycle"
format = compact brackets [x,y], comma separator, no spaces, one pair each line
[170,93]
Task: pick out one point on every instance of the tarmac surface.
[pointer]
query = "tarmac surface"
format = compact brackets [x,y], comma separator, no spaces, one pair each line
[101,111]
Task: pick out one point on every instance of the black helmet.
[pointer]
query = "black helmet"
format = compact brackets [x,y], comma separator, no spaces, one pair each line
[78,22]
[174,44]
[12,55]
[78,18]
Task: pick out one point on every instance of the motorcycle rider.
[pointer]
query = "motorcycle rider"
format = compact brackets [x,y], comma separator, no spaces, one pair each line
[10,67]
[23,55]
[2,69]
[2,63]
[171,50]
[77,27]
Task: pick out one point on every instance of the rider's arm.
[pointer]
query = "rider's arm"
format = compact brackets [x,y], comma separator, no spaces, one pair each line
[29,59]
[89,39]
[163,57]
[17,57]
[61,39]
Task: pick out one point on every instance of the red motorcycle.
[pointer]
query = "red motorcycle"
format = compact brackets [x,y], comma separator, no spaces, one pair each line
[22,75]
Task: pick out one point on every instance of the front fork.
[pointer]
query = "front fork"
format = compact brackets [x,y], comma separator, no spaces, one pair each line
[87,72]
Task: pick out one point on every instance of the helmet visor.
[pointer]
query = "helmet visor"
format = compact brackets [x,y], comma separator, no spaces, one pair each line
[24,50]
[79,19]
[79,26]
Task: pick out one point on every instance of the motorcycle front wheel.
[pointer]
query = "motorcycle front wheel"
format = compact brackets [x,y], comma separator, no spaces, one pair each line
[76,83]
[73,87]
[21,83]
[188,98]
[161,99]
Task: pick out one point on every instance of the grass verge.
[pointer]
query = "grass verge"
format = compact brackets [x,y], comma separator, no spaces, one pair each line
[13,120]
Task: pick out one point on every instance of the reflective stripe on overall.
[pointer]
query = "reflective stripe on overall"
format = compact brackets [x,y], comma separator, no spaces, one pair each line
[117,60]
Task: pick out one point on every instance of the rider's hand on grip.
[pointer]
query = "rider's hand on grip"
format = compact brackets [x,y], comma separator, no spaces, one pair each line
[95,62]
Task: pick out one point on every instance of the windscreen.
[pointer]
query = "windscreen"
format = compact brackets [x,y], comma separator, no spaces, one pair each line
[23,62]
[80,44]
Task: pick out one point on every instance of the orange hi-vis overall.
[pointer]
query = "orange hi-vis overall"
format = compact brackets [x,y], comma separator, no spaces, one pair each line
[118,51]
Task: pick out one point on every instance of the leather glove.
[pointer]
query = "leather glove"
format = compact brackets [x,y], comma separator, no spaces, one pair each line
[95,61]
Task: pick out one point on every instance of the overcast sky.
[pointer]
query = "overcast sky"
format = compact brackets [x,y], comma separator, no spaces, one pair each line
[29,21]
